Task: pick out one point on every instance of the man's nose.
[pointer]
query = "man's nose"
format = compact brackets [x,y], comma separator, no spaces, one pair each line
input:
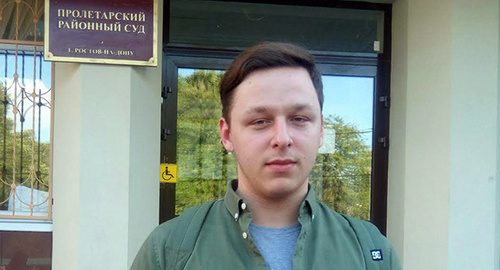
[281,137]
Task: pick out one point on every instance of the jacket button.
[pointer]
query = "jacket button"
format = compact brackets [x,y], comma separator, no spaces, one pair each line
[236,216]
[245,235]
[243,206]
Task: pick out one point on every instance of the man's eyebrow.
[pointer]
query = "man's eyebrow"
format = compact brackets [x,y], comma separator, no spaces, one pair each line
[302,107]
[258,109]
[295,107]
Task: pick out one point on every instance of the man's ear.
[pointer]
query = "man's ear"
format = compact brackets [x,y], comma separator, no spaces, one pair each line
[225,135]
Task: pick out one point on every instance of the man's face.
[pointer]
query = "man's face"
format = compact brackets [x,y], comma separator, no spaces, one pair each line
[275,131]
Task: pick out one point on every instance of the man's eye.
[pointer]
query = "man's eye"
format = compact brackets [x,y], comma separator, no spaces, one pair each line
[299,119]
[259,122]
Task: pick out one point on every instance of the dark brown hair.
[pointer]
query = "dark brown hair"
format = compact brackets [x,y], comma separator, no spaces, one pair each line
[262,56]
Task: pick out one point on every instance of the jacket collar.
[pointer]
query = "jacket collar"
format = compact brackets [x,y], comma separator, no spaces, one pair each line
[234,202]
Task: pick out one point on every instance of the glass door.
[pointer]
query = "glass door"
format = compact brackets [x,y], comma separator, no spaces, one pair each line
[190,133]
[204,166]
[343,176]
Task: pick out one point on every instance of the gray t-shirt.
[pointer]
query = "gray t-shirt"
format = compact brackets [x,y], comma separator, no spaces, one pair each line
[276,245]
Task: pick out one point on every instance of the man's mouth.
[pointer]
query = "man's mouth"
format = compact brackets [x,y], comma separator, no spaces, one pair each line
[281,164]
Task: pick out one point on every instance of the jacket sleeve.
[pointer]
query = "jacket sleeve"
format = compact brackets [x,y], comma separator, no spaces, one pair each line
[170,245]
[379,240]
[148,257]
[395,264]
[155,253]
[371,240]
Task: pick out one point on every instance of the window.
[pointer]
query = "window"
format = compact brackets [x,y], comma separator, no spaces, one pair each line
[25,134]
[26,102]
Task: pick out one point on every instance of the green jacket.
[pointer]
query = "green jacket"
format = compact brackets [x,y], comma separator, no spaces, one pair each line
[215,236]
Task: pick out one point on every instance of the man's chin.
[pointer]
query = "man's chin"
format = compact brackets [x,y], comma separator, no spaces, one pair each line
[282,189]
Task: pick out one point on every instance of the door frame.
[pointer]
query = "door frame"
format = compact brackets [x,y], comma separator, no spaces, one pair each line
[175,58]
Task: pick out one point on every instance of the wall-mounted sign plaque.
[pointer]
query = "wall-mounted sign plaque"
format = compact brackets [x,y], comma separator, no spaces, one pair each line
[108,32]
[168,173]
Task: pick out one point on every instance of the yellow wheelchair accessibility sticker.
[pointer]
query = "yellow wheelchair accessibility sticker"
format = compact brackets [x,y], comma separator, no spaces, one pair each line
[168,173]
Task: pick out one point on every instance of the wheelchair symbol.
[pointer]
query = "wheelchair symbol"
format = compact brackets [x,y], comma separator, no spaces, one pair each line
[166,175]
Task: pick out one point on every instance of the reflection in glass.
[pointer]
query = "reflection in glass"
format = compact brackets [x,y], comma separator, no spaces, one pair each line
[22,20]
[204,164]
[238,25]
[25,128]
[342,174]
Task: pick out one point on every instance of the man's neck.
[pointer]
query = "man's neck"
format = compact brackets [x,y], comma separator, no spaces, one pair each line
[273,212]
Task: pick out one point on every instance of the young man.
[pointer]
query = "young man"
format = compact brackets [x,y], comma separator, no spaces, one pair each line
[272,98]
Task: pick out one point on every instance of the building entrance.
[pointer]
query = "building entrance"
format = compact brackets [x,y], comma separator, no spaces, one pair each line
[201,39]
[342,176]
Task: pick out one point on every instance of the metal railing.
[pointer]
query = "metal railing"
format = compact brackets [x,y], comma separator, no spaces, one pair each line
[26,99]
